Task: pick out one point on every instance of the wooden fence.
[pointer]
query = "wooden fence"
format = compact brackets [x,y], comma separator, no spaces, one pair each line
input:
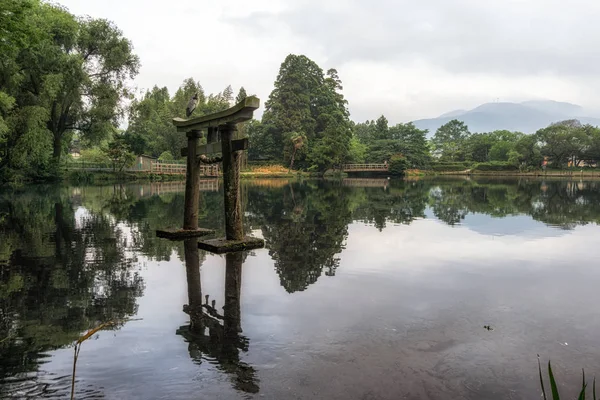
[161,168]
[364,167]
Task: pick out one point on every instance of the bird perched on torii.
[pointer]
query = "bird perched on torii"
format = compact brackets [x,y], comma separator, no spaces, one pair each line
[191,105]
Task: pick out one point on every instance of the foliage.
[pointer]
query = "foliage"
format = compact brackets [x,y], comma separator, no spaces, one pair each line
[307,101]
[59,74]
[398,164]
[94,155]
[151,130]
[449,140]
[569,141]
[450,166]
[119,154]
[495,166]
[165,156]
[358,151]
[414,144]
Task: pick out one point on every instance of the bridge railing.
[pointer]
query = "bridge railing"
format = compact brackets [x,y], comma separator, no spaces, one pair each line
[180,169]
[364,167]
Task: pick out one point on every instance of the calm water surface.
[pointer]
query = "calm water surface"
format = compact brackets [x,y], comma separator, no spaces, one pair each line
[367,289]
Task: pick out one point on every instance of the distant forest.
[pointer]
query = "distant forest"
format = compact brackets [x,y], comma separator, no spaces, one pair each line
[65,85]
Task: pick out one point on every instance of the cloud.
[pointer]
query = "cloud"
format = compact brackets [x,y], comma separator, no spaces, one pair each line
[513,37]
[406,59]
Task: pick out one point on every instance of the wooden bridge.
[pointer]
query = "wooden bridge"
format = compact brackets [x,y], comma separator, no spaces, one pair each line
[180,169]
[364,167]
[155,167]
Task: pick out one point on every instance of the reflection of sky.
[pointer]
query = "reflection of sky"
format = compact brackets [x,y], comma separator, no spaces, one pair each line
[402,317]
[514,225]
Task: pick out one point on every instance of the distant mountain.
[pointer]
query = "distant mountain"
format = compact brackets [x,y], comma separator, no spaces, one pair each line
[555,107]
[454,113]
[527,117]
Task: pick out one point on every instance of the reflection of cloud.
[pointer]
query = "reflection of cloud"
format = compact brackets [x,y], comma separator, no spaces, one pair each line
[430,243]
[518,225]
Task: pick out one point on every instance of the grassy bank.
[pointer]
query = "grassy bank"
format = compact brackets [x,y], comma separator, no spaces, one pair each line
[79,176]
[252,172]
[547,173]
[270,171]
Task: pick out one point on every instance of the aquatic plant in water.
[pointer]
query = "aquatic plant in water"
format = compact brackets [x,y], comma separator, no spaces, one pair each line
[554,388]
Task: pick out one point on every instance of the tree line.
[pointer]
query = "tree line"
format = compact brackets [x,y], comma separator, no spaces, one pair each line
[561,144]
[60,76]
[65,81]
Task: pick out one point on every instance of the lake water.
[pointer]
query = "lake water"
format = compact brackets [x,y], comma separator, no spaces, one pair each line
[366,289]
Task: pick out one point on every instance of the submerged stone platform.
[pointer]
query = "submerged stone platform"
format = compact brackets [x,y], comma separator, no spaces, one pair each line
[223,245]
[182,234]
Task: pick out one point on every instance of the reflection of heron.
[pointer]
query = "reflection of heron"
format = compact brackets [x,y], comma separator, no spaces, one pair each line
[191,106]
[206,334]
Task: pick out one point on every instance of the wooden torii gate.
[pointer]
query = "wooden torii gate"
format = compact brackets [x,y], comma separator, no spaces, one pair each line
[220,128]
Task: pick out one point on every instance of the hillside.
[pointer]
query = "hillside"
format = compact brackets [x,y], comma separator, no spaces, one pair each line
[528,116]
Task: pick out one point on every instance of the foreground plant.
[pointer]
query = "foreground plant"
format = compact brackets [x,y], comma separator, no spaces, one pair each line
[82,339]
[554,388]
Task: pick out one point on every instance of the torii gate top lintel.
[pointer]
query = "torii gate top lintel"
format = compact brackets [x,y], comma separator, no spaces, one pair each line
[241,112]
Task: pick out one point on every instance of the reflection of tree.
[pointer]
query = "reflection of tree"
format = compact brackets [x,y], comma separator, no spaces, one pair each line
[304,228]
[211,334]
[64,274]
[567,204]
[401,203]
[561,203]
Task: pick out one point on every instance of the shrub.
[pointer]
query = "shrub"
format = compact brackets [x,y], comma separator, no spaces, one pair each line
[165,156]
[398,164]
[94,155]
[495,166]
[450,166]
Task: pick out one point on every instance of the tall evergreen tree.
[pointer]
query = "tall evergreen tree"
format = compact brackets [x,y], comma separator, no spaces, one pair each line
[381,128]
[228,94]
[306,102]
[241,95]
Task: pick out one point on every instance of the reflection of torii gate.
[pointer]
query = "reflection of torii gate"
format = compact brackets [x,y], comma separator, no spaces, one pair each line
[212,334]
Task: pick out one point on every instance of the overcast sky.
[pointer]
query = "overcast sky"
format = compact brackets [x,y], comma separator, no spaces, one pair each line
[406,59]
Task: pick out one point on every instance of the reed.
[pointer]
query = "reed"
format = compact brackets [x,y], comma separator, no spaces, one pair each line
[554,387]
[82,339]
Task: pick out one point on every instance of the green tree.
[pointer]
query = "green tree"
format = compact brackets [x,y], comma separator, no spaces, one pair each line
[119,153]
[398,164]
[306,101]
[449,140]
[529,150]
[499,151]
[298,141]
[166,156]
[65,74]
[413,143]
[478,146]
[364,131]
[381,129]
[382,150]
[562,141]
[333,130]
[358,151]
[150,129]
[241,95]
[291,103]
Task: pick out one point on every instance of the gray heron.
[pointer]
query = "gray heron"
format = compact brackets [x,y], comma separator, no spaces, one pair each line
[191,106]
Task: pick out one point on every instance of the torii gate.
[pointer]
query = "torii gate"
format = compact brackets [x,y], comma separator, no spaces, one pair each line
[220,127]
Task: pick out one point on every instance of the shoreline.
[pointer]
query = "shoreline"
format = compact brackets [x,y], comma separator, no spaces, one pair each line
[535,174]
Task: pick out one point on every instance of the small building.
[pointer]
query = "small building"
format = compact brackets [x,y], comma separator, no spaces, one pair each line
[143,162]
